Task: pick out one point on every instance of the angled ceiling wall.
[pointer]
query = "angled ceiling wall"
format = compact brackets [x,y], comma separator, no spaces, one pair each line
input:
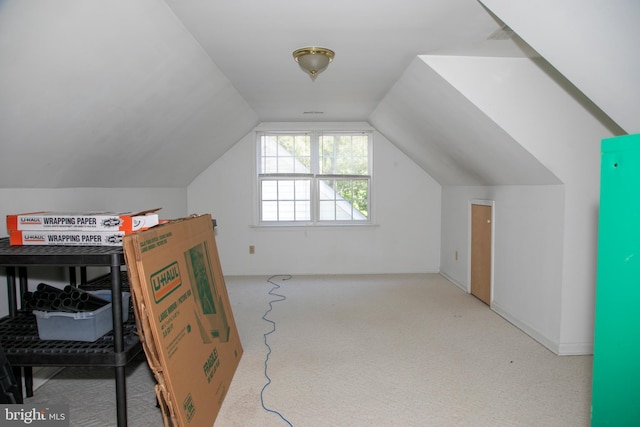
[109,94]
[440,111]
[450,137]
[594,44]
[121,94]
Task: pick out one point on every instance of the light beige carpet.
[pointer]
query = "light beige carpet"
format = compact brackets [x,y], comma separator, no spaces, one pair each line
[383,350]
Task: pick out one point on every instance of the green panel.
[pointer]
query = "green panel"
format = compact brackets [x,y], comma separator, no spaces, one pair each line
[616,361]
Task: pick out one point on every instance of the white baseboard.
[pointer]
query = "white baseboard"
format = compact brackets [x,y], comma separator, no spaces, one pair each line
[42,374]
[455,282]
[571,349]
[576,349]
[533,333]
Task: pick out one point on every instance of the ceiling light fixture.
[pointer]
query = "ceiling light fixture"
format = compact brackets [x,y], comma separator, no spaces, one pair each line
[313,60]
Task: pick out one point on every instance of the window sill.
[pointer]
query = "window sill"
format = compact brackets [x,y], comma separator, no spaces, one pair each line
[312,227]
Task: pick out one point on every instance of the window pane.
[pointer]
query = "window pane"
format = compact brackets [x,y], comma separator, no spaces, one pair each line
[349,199]
[360,145]
[303,210]
[285,145]
[359,198]
[303,189]
[343,212]
[344,166]
[360,166]
[327,211]
[343,188]
[338,196]
[326,165]
[327,154]
[344,146]
[285,190]
[269,164]
[344,155]
[286,210]
[285,164]
[327,190]
[285,154]
[326,145]
[269,190]
[269,211]
[286,199]
[269,146]
[297,150]
[303,154]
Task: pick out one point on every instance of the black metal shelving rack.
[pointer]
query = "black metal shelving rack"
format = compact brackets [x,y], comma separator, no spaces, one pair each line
[18,331]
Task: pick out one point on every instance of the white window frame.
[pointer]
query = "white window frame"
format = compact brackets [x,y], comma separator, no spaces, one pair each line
[316,179]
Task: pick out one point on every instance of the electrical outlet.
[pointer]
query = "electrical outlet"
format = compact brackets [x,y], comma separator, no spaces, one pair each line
[252,249]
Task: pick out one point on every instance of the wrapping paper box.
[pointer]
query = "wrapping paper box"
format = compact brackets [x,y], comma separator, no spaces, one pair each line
[92,221]
[66,238]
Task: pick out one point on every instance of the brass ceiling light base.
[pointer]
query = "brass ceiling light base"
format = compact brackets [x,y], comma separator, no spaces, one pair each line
[313,60]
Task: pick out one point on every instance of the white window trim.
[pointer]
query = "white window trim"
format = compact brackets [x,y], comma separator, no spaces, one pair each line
[315,222]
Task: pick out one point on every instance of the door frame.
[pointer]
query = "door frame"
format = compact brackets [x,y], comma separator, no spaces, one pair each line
[492,204]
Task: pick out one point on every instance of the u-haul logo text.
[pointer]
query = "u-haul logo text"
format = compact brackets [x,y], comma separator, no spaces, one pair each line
[33,237]
[30,221]
[165,281]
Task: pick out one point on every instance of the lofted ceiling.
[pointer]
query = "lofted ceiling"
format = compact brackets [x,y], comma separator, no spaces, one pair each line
[252,44]
[149,93]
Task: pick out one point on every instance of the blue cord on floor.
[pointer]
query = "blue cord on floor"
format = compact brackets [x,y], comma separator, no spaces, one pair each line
[266,360]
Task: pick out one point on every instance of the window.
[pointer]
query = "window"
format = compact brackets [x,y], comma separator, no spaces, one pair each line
[314,178]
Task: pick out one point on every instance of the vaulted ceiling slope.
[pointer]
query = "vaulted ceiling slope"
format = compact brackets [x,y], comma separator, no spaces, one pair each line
[454,140]
[594,44]
[149,93]
[109,94]
[480,120]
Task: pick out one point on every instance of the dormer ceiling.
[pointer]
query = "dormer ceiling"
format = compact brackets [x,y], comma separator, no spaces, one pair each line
[149,93]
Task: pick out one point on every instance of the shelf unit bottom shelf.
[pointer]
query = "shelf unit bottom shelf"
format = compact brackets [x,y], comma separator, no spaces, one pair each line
[23,347]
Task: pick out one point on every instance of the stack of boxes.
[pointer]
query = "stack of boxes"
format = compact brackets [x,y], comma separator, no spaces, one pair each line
[77,229]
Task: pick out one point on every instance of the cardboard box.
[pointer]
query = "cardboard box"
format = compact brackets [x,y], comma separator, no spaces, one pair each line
[79,221]
[66,238]
[184,318]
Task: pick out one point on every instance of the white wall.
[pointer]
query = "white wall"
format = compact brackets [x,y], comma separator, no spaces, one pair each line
[563,130]
[404,239]
[528,244]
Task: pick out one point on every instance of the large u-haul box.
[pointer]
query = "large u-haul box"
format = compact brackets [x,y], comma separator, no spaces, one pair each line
[184,317]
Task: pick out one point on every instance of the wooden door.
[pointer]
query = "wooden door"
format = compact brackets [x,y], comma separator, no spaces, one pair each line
[481,252]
